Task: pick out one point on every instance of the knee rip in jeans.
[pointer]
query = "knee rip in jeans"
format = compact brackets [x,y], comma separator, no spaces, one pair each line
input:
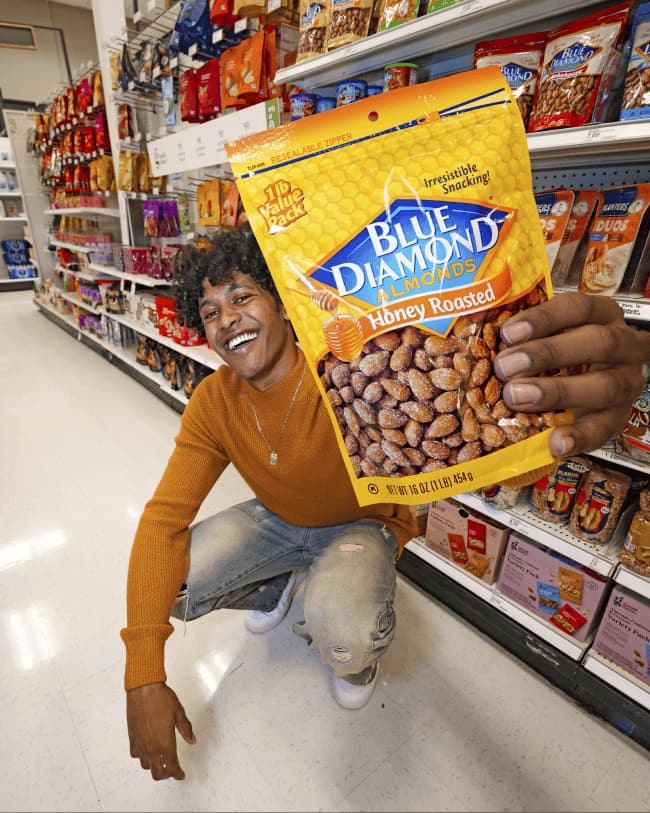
[341,654]
[350,546]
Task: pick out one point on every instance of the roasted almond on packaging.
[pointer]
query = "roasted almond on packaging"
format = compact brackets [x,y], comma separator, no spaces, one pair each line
[398,263]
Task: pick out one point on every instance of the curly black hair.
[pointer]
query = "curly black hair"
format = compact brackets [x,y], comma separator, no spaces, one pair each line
[216,259]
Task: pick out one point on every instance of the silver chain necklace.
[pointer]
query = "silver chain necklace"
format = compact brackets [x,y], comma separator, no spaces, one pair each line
[273,457]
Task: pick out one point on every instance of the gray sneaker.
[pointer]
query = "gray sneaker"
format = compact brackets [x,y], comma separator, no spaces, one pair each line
[259,622]
[355,695]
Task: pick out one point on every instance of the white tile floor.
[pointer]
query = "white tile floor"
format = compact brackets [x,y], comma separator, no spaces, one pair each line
[455,724]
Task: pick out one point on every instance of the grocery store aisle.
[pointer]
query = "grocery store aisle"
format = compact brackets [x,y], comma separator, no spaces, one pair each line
[455,724]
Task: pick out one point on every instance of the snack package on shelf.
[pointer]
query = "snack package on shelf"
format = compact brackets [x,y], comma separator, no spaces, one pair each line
[634,439]
[471,541]
[553,496]
[636,89]
[312,39]
[635,551]
[598,505]
[348,22]
[554,210]
[553,587]
[573,248]
[502,495]
[575,57]
[616,240]
[520,60]
[395,12]
[397,295]
[623,635]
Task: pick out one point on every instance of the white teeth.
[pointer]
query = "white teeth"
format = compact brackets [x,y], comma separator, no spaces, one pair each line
[241,339]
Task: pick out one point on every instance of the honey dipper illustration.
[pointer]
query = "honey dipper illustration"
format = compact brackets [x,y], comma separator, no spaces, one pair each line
[342,331]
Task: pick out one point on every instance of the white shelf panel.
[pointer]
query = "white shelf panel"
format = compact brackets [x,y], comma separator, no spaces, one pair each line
[141,279]
[75,247]
[21,219]
[580,146]
[13,193]
[545,631]
[95,211]
[625,683]
[456,25]
[636,309]
[5,280]
[203,144]
[633,581]
[7,165]
[621,460]
[120,353]
[81,274]
[556,538]
[202,353]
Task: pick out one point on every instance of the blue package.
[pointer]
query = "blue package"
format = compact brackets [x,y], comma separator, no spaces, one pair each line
[548,596]
[21,271]
[14,245]
[169,106]
[636,92]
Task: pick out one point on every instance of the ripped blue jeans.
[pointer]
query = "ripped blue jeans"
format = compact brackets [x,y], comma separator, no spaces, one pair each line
[242,558]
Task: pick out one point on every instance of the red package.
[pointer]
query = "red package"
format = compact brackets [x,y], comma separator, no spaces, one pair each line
[101,133]
[209,90]
[189,95]
[221,13]
[575,56]
[520,60]
[88,140]
[84,95]
[77,142]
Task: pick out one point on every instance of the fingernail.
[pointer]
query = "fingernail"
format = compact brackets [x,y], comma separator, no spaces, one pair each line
[511,364]
[519,394]
[561,445]
[516,332]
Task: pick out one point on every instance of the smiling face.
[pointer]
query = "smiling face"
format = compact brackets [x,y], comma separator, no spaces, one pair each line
[249,329]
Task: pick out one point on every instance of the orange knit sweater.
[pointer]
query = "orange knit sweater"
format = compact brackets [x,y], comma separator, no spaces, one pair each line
[309,486]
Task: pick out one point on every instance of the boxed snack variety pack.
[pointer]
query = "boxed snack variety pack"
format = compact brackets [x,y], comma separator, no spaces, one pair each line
[623,635]
[398,262]
[549,585]
[469,540]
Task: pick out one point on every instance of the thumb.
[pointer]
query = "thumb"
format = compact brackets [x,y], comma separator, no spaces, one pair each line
[184,726]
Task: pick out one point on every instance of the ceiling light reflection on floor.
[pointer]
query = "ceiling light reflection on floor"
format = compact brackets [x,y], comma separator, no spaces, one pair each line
[30,638]
[212,671]
[17,552]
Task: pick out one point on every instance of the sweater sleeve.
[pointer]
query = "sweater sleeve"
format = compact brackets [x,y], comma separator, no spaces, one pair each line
[160,552]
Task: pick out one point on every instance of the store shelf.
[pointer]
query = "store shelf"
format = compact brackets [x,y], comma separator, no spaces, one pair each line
[636,309]
[585,146]
[79,302]
[556,538]
[141,279]
[14,193]
[7,165]
[622,681]
[94,211]
[159,23]
[620,460]
[633,581]
[202,354]
[573,649]
[203,144]
[80,274]
[75,247]
[155,381]
[21,219]
[457,25]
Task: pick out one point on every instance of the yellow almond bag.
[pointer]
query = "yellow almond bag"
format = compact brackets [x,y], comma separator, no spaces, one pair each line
[401,232]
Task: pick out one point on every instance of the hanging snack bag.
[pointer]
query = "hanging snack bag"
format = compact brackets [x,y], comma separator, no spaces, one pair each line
[229,204]
[574,241]
[168,100]
[397,293]
[636,90]
[554,209]
[230,77]
[189,95]
[209,90]
[312,39]
[249,80]
[348,22]
[574,59]
[520,60]
[622,215]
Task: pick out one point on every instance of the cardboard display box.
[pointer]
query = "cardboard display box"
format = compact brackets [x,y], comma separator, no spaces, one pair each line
[551,586]
[471,541]
[623,635]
